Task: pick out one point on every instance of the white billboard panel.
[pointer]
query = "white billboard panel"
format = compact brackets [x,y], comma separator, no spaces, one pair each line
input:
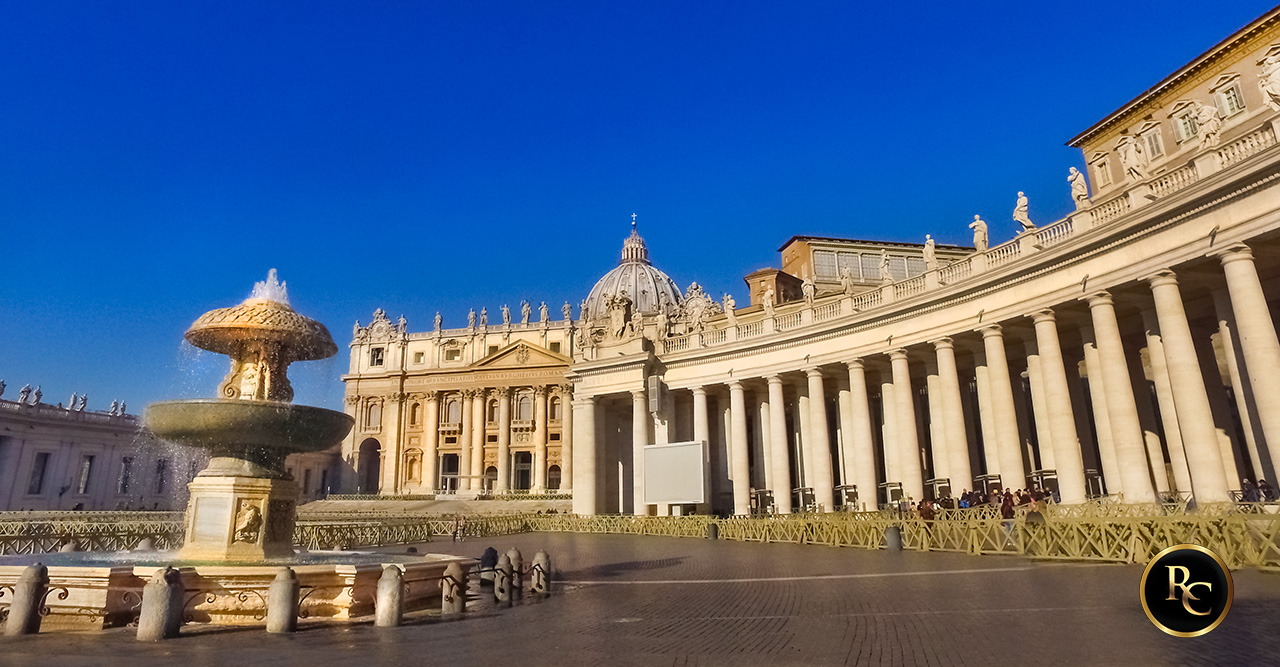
[675,473]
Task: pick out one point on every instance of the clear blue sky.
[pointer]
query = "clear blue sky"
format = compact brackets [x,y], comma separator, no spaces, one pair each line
[159,157]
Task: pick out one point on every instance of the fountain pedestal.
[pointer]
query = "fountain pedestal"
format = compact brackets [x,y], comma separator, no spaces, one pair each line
[239,518]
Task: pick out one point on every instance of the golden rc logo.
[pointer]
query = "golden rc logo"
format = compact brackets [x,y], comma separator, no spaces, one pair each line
[1186,590]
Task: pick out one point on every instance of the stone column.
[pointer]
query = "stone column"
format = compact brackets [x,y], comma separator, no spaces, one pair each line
[639,439]
[702,432]
[1039,409]
[1012,473]
[781,459]
[1223,424]
[1195,418]
[430,452]
[540,439]
[566,438]
[465,463]
[1164,398]
[739,445]
[938,444]
[1257,333]
[477,439]
[1122,410]
[863,456]
[889,430]
[904,409]
[844,444]
[393,426]
[952,418]
[1068,460]
[804,462]
[986,416]
[1142,389]
[1101,420]
[823,486]
[1246,406]
[584,455]
[766,440]
[503,394]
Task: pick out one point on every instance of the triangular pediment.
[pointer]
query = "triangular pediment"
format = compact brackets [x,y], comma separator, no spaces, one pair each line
[1181,106]
[1224,81]
[1097,156]
[1272,52]
[522,355]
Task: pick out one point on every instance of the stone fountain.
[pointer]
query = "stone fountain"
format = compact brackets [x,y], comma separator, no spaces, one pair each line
[240,518]
[243,504]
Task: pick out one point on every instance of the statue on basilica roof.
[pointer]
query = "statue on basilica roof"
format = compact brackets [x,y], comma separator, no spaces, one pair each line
[1079,188]
[980,239]
[543,312]
[1020,216]
[525,311]
[439,320]
[930,254]
[567,311]
[471,319]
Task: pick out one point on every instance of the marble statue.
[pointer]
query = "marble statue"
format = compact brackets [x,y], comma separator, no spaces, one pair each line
[979,228]
[2,387]
[729,307]
[930,255]
[35,399]
[582,309]
[24,393]
[84,400]
[122,408]
[355,330]
[1079,187]
[636,326]
[1020,213]
[1210,124]
[471,319]
[115,405]
[567,311]
[809,290]
[439,321]
[506,314]
[72,404]
[525,311]
[543,312]
[847,280]
[1269,80]
[767,301]
[402,325]
[617,306]
[886,276]
[484,316]
[1132,159]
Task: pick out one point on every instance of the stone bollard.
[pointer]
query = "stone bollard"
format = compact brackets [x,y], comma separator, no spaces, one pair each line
[517,573]
[70,546]
[453,590]
[282,602]
[28,597]
[502,582]
[389,607]
[893,538]
[541,584]
[488,561]
[713,531]
[146,544]
[161,616]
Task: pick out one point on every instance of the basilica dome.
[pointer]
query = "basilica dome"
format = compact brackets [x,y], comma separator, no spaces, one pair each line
[635,277]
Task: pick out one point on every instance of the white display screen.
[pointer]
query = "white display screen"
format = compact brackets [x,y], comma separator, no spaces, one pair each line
[675,473]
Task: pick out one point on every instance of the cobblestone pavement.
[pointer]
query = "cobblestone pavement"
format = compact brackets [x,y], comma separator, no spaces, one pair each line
[627,600]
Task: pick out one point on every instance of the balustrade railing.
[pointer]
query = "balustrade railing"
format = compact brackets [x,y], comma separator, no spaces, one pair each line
[1173,181]
[1004,253]
[714,337]
[750,330]
[1054,234]
[826,311]
[909,287]
[1111,209]
[955,271]
[1246,147]
[679,344]
[867,300]
[788,321]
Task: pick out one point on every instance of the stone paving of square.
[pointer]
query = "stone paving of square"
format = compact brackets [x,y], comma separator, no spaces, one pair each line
[631,600]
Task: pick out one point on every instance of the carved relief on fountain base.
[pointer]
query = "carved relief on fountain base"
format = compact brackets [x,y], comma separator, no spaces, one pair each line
[239,518]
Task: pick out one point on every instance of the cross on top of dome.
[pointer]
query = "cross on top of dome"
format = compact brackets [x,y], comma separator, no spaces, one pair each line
[633,249]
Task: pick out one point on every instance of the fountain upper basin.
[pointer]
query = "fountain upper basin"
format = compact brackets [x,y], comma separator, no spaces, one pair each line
[261,431]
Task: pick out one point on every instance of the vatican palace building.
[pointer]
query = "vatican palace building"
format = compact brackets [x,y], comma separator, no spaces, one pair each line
[1127,351]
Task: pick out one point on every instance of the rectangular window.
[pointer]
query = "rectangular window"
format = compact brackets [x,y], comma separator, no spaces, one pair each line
[306,480]
[452,355]
[125,482]
[162,476]
[491,438]
[451,440]
[1186,127]
[1155,147]
[492,349]
[1102,171]
[324,481]
[555,347]
[915,266]
[824,264]
[418,357]
[870,266]
[898,267]
[375,356]
[35,486]
[1230,101]
[555,437]
[86,473]
[849,260]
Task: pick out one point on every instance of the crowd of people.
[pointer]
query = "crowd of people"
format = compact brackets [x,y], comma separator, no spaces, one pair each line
[1262,492]
[1007,500]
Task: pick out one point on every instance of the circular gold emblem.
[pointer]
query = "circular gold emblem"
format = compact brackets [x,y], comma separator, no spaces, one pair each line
[1186,590]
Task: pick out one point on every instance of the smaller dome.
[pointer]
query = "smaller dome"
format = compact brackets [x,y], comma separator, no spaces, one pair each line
[635,277]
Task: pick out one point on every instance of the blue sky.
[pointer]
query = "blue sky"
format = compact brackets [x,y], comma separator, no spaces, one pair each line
[158,158]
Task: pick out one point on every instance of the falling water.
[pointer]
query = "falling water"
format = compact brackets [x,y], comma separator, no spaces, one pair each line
[271,289]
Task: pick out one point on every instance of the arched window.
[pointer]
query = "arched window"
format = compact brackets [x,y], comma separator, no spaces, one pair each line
[415,414]
[453,411]
[492,412]
[553,408]
[553,478]
[524,408]
[414,457]
[373,416]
